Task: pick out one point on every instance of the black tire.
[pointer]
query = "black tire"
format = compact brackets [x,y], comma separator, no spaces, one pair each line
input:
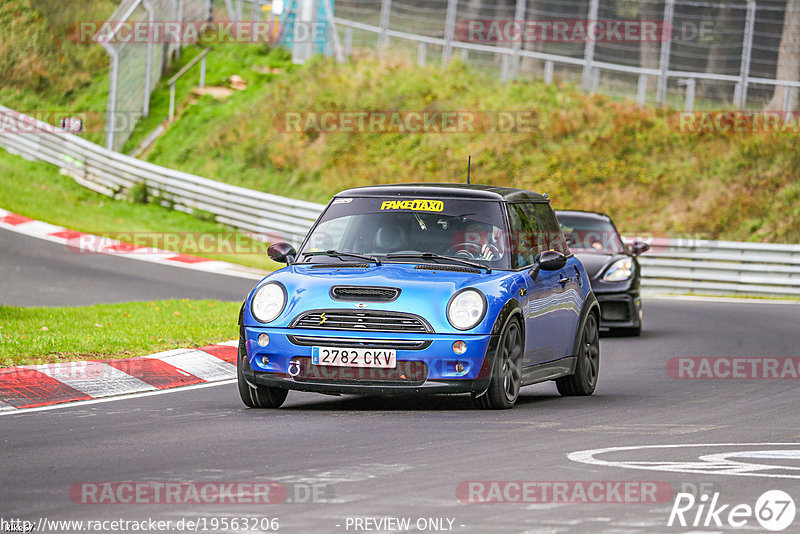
[260,396]
[584,379]
[506,371]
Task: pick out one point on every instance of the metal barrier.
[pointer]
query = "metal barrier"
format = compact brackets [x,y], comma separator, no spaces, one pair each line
[672,265]
[112,174]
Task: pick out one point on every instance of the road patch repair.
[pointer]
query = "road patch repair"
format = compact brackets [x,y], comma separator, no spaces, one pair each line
[104,245]
[33,386]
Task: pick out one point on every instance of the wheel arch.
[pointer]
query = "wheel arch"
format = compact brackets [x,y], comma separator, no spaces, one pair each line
[590,305]
[512,309]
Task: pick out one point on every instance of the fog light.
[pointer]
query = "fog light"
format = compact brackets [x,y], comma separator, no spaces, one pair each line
[459,368]
[264,360]
[263,340]
[459,347]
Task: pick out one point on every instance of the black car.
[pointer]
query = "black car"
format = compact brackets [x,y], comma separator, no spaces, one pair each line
[612,266]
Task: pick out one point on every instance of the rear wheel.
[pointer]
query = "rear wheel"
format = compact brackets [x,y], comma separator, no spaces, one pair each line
[584,379]
[506,371]
[259,396]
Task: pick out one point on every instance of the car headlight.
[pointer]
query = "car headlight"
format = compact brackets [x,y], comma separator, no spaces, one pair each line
[466,309]
[268,302]
[620,270]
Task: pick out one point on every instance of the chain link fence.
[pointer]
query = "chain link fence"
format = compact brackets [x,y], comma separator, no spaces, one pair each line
[137,64]
[740,53]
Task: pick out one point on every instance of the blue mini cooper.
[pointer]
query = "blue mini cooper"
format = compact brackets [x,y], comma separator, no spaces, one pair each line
[423,288]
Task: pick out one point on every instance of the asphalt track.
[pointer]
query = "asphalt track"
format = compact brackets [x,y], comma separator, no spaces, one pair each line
[40,273]
[405,458]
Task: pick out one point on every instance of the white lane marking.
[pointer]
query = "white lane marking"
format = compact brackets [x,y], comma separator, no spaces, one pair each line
[199,363]
[78,404]
[93,378]
[717,466]
[354,473]
[724,300]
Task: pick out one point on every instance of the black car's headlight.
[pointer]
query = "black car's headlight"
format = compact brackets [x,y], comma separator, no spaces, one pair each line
[268,302]
[620,270]
[466,309]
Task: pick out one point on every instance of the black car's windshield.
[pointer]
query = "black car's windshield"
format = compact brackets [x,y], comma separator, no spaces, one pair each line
[381,227]
[590,234]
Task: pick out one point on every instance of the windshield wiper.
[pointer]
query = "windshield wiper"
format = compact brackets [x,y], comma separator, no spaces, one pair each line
[432,256]
[341,255]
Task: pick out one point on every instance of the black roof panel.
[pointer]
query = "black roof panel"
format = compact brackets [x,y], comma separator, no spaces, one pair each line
[445,190]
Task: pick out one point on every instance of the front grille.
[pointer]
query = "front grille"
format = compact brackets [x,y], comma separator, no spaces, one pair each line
[365,293]
[442,267]
[407,373]
[399,344]
[362,321]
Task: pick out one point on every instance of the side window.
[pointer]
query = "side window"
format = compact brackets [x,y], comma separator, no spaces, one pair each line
[525,233]
[552,236]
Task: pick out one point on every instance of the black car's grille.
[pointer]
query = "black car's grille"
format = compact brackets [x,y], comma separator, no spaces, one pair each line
[444,267]
[407,373]
[365,293]
[362,321]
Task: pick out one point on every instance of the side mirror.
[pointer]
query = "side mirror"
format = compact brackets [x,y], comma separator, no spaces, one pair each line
[549,260]
[639,247]
[282,253]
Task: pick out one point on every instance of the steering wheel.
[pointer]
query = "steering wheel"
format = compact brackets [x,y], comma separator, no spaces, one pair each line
[474,251]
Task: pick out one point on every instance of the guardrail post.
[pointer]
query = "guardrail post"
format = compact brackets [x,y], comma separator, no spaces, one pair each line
[641,90]
[747,50]
[519,18]
[787,99]
[348,41]
[422,52]
[171,102]
[504,68]
[690,84]
[664,55]
[548,72]
[588,51]
[203,72]
[386,9]
[449,31]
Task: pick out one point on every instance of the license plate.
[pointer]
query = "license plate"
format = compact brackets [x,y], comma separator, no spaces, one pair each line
[354,357]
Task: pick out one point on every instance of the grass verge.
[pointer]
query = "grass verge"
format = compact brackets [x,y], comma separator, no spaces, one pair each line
[38,191]
[46,335]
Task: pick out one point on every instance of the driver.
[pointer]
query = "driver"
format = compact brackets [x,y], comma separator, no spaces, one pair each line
[479,241]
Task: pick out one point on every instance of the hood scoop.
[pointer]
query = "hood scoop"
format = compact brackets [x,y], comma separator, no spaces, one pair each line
[365,293]
[445,267]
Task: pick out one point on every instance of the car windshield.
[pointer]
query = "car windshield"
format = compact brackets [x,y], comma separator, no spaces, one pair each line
[386,228]
[586,234]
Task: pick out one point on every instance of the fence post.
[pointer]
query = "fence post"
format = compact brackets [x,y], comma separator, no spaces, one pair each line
[666,47]
[113,82]
[148,62]
[386,9]
[449,31]
[747,51]
[548,72]
[641,90]
[588,51]
[519,18]
[787,98]
[422,51]
[348,41]
[690,84]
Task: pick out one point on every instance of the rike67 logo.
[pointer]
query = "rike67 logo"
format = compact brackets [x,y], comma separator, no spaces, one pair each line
[774,510]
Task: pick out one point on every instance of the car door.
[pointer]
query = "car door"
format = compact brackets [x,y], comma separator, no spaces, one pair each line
[567,294]
[542,340]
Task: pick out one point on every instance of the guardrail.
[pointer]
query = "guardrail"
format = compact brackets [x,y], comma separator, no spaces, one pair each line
[113,174]
[672,265]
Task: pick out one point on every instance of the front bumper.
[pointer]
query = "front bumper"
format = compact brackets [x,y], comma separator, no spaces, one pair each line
[426,363]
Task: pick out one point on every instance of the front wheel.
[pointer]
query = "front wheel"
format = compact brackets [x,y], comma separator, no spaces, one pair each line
[584,379]
[506,371]
[259,396]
